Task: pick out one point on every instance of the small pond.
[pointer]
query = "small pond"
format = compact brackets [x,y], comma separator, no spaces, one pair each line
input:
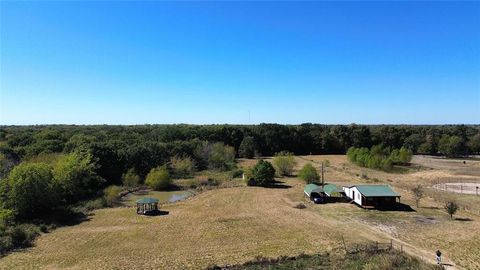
[162,196]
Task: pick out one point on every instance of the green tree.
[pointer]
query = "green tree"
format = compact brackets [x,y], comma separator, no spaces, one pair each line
[31,191]
[216,156]
[450,146]
[474,144]
[262,174]
[131,178]
[284,163]
[451,208]
[308,173]
[158,178]
[182,166]
[413,142]
[75,174]
[404,155]
[247,148]
[221,157]
[426,148]
[111,194]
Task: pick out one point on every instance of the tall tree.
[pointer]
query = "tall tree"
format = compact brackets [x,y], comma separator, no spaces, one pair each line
[247,148]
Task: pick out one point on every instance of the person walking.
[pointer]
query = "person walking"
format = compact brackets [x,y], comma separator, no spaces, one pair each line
[439,257]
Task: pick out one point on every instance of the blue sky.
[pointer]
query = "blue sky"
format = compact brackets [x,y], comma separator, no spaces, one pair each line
[239,62]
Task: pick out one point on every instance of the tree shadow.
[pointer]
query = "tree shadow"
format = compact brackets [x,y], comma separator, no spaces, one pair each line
[464,219]
[65,217]
[157,213]
[398,207]
[278,184]
[431,207]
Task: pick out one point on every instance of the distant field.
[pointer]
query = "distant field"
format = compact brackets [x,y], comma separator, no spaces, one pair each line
[234,225]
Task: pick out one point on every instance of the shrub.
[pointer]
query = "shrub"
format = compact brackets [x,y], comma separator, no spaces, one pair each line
[131,178]
[30,190]
[308,173]
[284,163]
[405,155]
[183,167]
[7,217]
[98,203]
[111,195]
[17,236]
[262,174]
[237,173]
[23,235]
[451,208]
[158,178]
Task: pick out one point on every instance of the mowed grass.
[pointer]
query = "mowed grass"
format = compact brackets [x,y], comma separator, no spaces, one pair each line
[235,225]
[219,226]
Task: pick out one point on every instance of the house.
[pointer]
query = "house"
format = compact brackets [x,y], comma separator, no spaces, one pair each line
[372,196]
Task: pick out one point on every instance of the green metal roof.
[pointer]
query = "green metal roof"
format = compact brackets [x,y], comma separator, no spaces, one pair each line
[329,189]
[377,191]
[312,188]
[147,200]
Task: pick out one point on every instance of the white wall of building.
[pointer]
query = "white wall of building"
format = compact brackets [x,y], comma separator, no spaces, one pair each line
[353,194]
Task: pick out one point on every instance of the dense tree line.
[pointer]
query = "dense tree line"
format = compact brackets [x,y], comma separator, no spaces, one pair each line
[379,157]
[117,149]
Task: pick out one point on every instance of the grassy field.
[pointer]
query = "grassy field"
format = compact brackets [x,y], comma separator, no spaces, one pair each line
[234,225]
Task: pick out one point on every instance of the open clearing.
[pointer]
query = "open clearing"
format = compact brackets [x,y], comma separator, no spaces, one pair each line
[233,225]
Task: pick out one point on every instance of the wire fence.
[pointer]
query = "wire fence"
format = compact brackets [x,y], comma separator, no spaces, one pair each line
[372,246]
[463,188]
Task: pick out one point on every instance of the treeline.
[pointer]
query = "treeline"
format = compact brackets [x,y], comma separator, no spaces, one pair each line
[379,157]
[117,149]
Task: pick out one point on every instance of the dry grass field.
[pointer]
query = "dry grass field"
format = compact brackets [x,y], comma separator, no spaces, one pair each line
[233,225]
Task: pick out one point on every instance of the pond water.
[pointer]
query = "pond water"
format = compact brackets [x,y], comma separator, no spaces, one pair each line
[162,196]
[180,197]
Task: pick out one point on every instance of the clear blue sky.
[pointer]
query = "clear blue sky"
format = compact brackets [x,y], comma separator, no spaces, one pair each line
[185,62]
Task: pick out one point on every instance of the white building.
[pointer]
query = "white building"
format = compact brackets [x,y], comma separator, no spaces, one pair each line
[372,196]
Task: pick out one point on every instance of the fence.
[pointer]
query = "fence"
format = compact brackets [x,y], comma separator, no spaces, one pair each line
[372,246]
[463,188]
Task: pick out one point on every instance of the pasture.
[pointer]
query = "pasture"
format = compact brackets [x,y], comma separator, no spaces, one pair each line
[234,225]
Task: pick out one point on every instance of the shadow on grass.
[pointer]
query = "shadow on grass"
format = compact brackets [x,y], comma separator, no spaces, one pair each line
[278,184]
[431,207]
[69,217]
[463,219]
[157,213]
[398,207]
